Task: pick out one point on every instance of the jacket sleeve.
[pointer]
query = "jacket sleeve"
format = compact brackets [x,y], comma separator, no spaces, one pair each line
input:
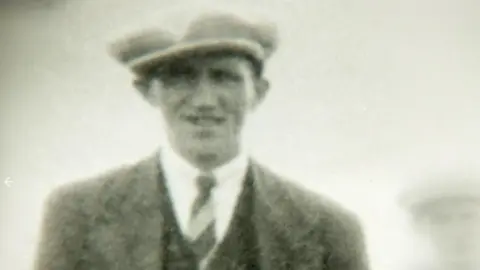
[346,244]
[62,231]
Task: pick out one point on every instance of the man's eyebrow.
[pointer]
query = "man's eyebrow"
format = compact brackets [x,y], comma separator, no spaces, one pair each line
[168,67]
[225,67]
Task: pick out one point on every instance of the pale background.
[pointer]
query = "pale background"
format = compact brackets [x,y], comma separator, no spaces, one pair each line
[365,94]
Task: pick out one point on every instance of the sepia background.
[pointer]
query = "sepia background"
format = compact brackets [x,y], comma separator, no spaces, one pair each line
[367,96]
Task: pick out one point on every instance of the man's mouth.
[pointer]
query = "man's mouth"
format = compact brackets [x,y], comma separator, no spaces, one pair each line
[205,121]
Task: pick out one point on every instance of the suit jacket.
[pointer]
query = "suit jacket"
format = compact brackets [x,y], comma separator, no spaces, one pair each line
[114,222]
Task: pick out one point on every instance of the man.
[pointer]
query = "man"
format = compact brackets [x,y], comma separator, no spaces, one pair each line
[446,211]
[200,202]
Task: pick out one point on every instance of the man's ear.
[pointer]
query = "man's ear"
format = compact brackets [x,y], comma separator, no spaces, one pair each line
[262,86]
[144,87]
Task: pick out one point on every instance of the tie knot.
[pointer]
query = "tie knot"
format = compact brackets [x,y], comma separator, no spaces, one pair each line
[205,182]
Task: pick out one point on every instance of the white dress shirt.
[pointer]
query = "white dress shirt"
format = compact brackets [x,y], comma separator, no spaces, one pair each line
[180,180]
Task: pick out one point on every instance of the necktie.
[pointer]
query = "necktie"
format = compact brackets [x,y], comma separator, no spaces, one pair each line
[201,230]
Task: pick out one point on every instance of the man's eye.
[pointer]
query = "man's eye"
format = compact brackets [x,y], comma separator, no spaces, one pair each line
[176,73]
[220,75]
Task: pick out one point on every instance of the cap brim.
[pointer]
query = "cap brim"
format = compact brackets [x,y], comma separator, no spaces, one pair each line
[182,50]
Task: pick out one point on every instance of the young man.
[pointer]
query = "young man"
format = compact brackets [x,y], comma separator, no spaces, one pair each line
[446,211]
[200,202]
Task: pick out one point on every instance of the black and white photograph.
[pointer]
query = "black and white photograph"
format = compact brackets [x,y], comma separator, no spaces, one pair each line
[240,134]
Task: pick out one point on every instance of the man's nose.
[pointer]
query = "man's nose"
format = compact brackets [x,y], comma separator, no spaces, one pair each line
[204,95]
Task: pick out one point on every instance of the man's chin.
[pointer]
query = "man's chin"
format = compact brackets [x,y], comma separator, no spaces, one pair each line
[210,154]
[207,145]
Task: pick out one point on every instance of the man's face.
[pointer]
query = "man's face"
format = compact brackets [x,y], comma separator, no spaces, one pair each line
[454,230]
[204,101]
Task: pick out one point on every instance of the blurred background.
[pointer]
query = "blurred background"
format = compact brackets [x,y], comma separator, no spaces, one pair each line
[367,96]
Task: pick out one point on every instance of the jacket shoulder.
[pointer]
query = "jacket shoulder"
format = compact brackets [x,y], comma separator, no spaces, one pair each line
[325,225]
[321,211]
[71,210]
[114,183]
[311,205]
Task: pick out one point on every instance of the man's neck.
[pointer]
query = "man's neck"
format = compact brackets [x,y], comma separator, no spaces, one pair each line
[209,161]
[177,164]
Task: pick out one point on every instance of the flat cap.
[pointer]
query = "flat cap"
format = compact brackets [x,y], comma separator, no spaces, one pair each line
[209,33]
[441,188]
